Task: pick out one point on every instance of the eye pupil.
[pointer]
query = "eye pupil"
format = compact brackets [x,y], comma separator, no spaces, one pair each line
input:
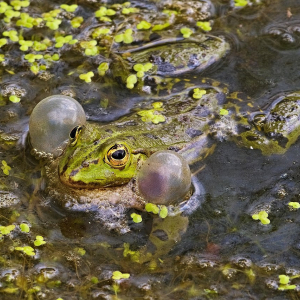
[73,132]
[119,154]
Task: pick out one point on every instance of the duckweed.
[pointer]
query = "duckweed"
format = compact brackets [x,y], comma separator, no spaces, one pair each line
[198,93]
[4,7]
[152,115]
[25,45]
[294,205]
[99,32]
[103,67]
[240,3]
[131,81]
[170,12]
[14,99]
[19,4]
[224,112]
[87,77]
[3,42]
[141,69]
[24,227]
[80,251]
[53,23]
[117,275]
[33,57]
[5,230]
[76,22]
[186,32]
[39,241]
[126,11]
[103,12]
[158,27]
[262,216]
[150,207]
[136,218]
[61,41]
[163,211]
[143,25]
[204,26]
[125,37]
[5,167]
[27,21]
[26,250]
[284,283]
[12,34]
[69,8]
[134,255]
[90,47]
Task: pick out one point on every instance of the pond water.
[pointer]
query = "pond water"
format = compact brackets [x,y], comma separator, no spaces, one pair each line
[220,249]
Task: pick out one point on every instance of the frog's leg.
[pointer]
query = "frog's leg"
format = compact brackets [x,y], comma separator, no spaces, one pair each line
[165,234]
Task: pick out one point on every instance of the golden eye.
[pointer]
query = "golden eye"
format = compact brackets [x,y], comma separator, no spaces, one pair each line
[74,135]
[117,156]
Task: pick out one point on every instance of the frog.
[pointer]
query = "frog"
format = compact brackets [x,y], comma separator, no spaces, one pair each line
[273,130]
[166,58]
[97,173]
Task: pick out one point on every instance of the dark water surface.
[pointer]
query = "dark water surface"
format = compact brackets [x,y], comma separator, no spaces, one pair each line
[224,253]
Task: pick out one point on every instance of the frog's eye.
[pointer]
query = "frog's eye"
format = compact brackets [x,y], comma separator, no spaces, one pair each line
[74,135]
[117,156]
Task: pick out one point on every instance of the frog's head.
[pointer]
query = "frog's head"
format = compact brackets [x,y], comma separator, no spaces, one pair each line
[92,161]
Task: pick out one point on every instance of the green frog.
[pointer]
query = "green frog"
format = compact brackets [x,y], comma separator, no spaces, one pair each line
[273,130]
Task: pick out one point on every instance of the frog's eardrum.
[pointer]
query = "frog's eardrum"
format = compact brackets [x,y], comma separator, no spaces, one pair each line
[165,178]
[52,120]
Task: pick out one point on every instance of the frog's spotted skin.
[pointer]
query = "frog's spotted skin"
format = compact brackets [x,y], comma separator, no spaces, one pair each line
[170,57]
[274,130]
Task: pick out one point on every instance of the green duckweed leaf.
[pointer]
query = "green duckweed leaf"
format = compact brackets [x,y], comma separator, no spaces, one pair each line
[262,216]
[14,99]
[119,275]
[69,8]
[143,25]
[94,280]
[7,229]
[39,241]
[24,227]
[136,218]
[134,255]
[170,12]
[131,80]
[284,279]
[198,93]
[204,26]
[163,211]
[150,207]
[3,42]
[76,22]
[158,27]
[224,112]
[294,205]
[103,67]
[186,32]
[240,3]
[26,250]
[86,77]
[5,167]
[80,251]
